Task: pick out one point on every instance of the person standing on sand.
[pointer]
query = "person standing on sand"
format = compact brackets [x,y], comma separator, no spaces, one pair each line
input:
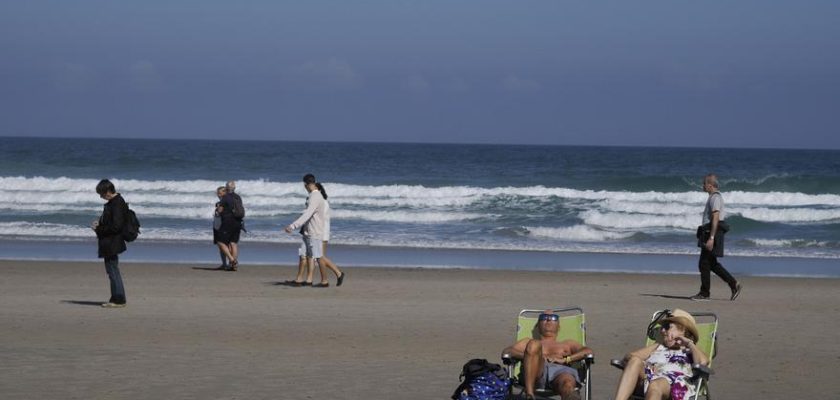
[311,224]
[326,262]
[217,224]
[710,241]
[109,234]
[232,213]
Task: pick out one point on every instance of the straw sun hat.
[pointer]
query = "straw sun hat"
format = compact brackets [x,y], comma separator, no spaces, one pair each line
[685,319]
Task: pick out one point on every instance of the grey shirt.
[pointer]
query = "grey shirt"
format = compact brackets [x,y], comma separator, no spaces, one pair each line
[714,203]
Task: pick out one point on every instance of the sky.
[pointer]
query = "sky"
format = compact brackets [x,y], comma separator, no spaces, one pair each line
[655,73]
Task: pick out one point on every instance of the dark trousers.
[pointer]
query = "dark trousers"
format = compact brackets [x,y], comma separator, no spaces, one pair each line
[708,262]
[117,289]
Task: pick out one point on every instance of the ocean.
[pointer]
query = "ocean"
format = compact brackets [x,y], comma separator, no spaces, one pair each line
[627,209]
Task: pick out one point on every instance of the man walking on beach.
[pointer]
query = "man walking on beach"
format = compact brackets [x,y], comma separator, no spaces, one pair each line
[711,247]
[546,362]
[109,232]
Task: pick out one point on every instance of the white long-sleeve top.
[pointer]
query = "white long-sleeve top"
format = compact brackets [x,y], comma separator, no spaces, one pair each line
[326,236]
[312,219]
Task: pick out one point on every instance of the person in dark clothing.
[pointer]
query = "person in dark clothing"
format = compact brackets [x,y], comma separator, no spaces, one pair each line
[228,238]
[711,248]
[224,251]
[109,232]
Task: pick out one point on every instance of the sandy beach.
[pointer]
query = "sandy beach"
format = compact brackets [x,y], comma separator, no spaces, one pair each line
[192,333]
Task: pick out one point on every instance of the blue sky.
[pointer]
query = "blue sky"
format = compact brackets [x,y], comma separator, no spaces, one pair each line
[670,73]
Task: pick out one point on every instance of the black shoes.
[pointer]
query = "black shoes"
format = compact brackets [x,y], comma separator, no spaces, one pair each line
[341,278]
[736,291]
[699,297]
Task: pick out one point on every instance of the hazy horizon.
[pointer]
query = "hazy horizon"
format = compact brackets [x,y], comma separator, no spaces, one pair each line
[415,142]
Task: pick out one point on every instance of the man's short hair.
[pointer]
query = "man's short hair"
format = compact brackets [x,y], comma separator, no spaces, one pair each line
[713,180]
[105,186]
[230,186]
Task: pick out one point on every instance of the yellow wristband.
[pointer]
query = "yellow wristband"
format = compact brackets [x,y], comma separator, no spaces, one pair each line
[568,360]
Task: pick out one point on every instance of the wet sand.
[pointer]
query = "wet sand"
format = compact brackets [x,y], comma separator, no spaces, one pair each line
[193,333]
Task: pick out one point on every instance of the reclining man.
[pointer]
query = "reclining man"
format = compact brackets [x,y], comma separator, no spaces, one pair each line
[545,361]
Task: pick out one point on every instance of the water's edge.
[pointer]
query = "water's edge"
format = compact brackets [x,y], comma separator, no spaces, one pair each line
[285,254]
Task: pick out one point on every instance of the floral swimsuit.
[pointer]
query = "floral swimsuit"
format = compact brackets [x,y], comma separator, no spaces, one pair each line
[673,365]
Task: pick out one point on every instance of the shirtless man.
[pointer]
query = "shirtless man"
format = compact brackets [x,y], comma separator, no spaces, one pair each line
[545,361]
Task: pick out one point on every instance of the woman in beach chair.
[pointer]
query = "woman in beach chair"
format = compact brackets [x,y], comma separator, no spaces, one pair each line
[665,369]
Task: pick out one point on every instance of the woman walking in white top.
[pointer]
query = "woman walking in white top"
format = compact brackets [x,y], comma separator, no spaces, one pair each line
[325,262]
[312,224]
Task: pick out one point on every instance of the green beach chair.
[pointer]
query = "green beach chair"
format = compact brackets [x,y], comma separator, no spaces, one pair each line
[707,325]
[572,326]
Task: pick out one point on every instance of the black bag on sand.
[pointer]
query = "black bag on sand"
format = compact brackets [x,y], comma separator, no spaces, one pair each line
[482,380]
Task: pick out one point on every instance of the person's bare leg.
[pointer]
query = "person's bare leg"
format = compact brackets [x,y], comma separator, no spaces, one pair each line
[566,385]
[322,269]
[328,263]
[310,265]
[226,251]
[629,378]
[234,251]
[301,269]
[223,257]
[532,365]
[658,389]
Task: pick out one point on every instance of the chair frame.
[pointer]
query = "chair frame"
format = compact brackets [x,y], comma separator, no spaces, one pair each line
[583,366]
[702,373]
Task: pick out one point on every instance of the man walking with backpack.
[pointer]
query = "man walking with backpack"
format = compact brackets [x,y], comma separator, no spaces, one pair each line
[109,232]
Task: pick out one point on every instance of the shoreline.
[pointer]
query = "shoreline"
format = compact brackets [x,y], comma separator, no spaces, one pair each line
[285,254]
[193,333]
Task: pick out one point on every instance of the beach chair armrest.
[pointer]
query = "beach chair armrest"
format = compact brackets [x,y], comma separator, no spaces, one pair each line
[618,363]
[702,371]
[589,359]
[507,359]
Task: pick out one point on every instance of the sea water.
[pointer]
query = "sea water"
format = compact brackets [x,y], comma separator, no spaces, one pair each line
[438,205]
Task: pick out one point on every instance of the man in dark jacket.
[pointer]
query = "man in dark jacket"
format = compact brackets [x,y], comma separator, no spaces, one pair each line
[109,231]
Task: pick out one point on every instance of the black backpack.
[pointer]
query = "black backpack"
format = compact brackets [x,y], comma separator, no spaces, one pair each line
[238,209]
[483,381]
[131,228]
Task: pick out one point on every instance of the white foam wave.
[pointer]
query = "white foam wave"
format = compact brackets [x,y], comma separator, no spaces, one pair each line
[649,207]
[579,233]
[637,222]
[788,214]
[51,230]
[789,243]
[406,216]
[619,210]
[448,195]
[48,231]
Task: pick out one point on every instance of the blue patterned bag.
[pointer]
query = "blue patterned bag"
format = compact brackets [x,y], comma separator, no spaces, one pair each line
[483,381]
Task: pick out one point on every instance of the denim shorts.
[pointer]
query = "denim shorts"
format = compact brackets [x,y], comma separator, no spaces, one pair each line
[311,247]
[552,370]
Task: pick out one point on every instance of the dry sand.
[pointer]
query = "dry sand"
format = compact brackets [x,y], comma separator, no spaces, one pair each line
[387,333]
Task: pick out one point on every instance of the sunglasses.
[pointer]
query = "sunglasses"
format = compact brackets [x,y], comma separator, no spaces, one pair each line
[549,317]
